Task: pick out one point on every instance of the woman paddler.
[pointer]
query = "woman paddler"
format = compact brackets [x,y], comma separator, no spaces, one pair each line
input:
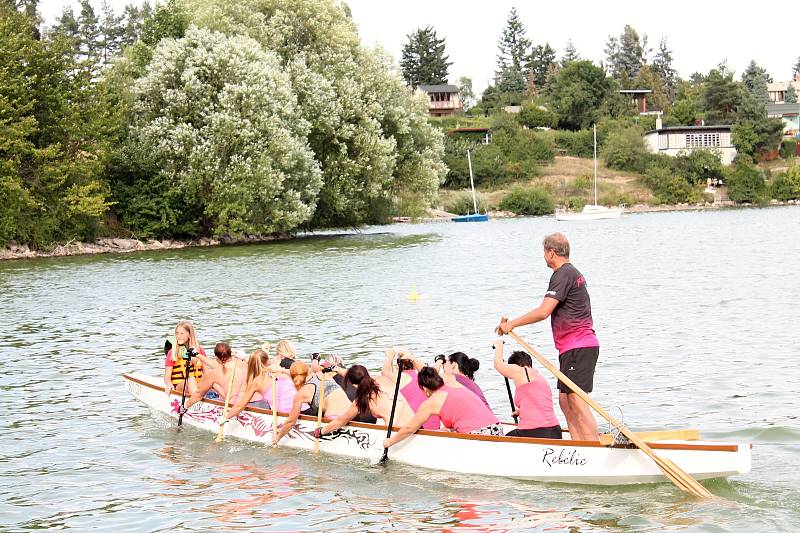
[308,386]
[533,398]
[176,359]
[459,409]
[218,377]
[258,392]
[410,390]
[370,400]
[461,368]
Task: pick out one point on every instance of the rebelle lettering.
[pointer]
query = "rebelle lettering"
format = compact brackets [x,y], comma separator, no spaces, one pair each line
[563,458]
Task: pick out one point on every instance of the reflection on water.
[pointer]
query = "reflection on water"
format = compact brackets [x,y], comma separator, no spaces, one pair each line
[695,322]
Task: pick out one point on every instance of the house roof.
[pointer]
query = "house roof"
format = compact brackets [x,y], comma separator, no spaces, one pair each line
[777,110]
[782,86]
[635,91]
[690,129]
[438,88]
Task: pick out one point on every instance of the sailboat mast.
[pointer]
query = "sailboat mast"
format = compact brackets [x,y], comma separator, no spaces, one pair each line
[594,127]
[472,183]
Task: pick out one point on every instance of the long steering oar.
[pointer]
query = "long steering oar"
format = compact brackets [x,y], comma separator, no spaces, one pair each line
[319,412]
[220,435]
[385,456]
[672,471]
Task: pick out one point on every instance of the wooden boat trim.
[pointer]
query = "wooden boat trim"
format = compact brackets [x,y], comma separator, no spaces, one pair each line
[463,436]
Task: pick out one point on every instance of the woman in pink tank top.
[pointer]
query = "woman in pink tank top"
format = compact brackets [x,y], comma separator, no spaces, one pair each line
[533,399]
[458,408]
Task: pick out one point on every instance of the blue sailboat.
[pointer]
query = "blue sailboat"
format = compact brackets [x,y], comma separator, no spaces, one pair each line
[476,216]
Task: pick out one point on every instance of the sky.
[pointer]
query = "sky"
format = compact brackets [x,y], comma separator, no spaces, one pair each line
[701,34]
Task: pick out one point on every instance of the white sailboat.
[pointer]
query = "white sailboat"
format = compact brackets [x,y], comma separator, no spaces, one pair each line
[591,212]
[476,216]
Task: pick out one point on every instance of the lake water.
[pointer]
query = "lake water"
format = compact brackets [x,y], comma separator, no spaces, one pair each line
[696,312]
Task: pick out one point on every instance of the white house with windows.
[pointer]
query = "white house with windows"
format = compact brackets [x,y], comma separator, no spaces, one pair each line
[674,140]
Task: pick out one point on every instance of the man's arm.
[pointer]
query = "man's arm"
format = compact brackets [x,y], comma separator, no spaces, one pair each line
[544,310]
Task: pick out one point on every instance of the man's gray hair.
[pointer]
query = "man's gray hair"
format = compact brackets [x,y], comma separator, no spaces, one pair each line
[558,243]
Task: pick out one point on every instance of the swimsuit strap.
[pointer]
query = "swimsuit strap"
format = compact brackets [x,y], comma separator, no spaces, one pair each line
[526,374]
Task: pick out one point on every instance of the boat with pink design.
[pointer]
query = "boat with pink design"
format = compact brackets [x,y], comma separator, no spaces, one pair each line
[551,460]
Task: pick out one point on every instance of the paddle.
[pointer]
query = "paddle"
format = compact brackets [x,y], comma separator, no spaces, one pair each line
[274,404]
[319,412]
[385,456]
[674,473]
[187,361]
[511,400]
[227,400]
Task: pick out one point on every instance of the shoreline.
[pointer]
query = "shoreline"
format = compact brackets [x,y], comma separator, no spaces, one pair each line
[107,245]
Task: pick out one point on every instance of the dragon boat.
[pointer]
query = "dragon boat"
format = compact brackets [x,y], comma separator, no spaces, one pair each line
[550,460]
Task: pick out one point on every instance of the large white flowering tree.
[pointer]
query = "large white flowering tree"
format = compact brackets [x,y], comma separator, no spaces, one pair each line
[219,115]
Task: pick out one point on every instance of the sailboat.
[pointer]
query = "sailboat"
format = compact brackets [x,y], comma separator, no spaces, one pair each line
[591,212]
[474,217]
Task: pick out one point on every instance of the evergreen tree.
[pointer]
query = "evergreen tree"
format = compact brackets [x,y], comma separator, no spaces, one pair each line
[89,32]
[570,54]
[755,80]
[626,55]
[466,91]
[423,59]
[791,95]
[131,24]
[796,69]
[539,62]
[111,32]
[721,96]
[512,58]
[662,66]
[67,26]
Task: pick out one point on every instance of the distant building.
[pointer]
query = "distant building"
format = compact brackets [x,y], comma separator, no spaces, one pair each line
[777,91]
[789,113]
[444,100]
[638,97]
[674,140]
[514,109]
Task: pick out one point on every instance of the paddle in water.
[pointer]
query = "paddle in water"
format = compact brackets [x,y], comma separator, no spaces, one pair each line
[674,473]
[221,433]
[385,457]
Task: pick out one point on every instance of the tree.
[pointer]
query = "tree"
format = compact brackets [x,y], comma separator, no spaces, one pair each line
[219,115]
[111,32]
[513,53]
[721,96]
[626,54]
[537,116]
[579,91]
[746,184]
[662,66]
[423,58]
[539,63]
[791,94]
[466,92]
[755,80]
[649,79]
[796,69]
[570,54]
[89,35]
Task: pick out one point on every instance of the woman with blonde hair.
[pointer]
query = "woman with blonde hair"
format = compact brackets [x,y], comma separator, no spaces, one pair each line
[185,349]
[285,353]
[258,392]
[308,387]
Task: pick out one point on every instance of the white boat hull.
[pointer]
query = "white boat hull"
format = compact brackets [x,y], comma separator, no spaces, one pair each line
[590,213]
[519,458]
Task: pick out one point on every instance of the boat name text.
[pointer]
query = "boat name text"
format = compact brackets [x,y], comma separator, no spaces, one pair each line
[563,458]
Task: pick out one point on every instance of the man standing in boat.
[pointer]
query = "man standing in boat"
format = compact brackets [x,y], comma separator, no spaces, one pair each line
[567,304]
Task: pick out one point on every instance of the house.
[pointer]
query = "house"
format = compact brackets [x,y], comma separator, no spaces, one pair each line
[444,100]
[777,91]
[638,98]
[789,113]
[674,140]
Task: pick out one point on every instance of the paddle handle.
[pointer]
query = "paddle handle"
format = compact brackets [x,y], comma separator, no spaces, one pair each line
[186,365]
[511,401]
[274,404]
[681,479]
[385,456]
[220,434]
[319,411]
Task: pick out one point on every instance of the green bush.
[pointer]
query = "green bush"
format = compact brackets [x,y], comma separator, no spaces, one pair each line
[625,150]
[699,165]
[787,186]
[576,143]
[746,184]
[536,116]
[668,187]
[460,203]
[530,201]
[789,148]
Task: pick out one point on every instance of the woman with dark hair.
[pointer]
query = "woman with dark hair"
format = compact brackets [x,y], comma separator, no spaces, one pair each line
[533,398]
[461,368]
[459,410]
[409,366]
[369,400]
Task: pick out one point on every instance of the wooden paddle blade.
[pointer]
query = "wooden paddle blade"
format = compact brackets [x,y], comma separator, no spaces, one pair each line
[682,479]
